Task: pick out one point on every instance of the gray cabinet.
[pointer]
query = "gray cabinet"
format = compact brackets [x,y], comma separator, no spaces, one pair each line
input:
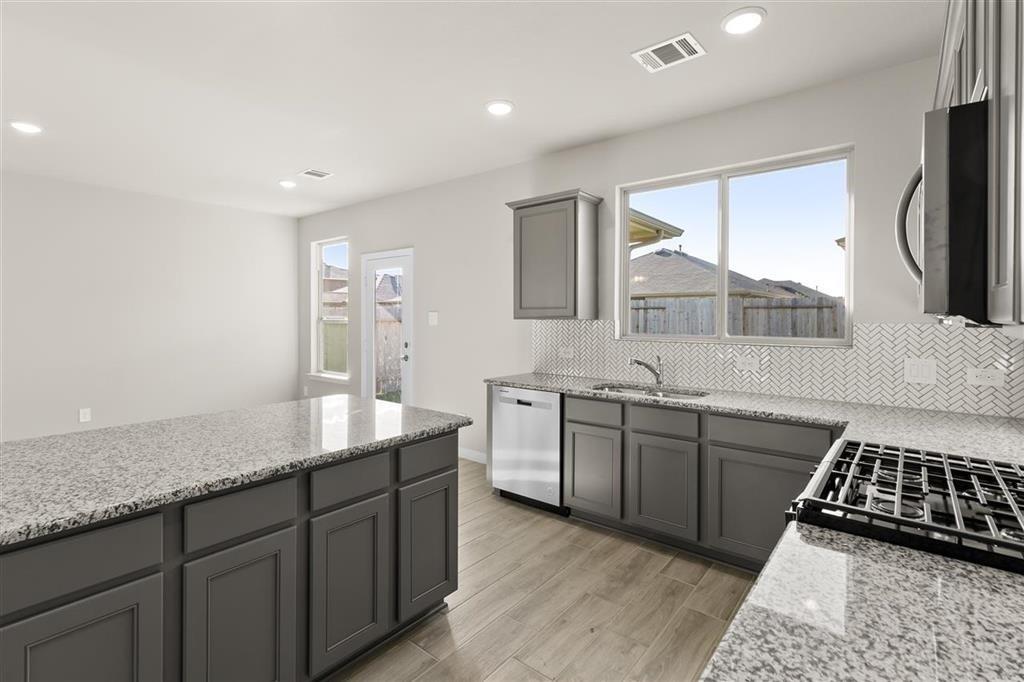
[555,256]
[663,490]
[239,612]
[748,494]
[427,543]
[113,636]
[349,580]
[592,469]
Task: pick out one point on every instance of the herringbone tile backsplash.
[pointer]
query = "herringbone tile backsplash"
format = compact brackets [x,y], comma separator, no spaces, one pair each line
[870,372]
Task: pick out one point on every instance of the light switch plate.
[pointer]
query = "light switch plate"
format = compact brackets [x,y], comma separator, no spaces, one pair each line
[84,415]
[748,363]
[985,376]
[432,318]
[919,370]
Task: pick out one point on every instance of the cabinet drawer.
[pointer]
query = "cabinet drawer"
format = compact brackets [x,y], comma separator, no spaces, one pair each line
[669,422]
[349,480]
[223,518]
[431,455]
[593,411]
[36,574]
[809,441]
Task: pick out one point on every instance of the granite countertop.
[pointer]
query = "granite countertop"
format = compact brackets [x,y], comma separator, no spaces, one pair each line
[999,438]
[830,605]
[56,483]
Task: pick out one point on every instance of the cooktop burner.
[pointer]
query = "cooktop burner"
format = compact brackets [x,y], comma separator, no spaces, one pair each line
[965,507]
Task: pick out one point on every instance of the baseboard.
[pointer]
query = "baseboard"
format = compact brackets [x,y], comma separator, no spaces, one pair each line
[473,455]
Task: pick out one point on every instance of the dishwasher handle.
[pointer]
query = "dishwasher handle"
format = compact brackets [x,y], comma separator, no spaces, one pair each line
[519,402]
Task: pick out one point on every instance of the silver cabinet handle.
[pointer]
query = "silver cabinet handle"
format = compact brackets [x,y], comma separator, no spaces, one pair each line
[902,240]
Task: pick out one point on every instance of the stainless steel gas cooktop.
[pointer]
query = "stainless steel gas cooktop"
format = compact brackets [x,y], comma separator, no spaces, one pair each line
[963,507]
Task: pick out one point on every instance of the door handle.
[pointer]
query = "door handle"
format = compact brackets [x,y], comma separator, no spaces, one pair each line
[405,358]
[902,241]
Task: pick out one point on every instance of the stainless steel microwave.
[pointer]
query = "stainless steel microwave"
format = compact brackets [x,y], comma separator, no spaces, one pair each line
[952,263]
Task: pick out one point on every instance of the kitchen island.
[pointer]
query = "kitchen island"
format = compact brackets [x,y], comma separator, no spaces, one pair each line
[274,542]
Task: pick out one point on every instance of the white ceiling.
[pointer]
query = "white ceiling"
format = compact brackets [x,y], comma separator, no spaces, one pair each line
[216,102]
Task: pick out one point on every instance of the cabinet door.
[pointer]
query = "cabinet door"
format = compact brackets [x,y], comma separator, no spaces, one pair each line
[239,616]
[349,580]
[544,240]
[663,485]
[748,495]
[113,636]
[427,543]
[592,469]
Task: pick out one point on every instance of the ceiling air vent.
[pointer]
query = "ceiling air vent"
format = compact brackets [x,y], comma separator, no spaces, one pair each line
[669,53]
[316,174]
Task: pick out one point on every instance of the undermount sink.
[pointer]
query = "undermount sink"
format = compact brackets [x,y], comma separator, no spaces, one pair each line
[653,391]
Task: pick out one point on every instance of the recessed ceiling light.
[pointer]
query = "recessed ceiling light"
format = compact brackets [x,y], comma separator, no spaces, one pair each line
[287,184]
[26,127]
[500,107]
[743,20]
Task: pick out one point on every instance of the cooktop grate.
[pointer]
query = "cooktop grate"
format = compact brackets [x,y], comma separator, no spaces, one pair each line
[960,506]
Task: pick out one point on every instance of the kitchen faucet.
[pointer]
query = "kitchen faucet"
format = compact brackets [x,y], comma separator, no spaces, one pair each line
[655,370]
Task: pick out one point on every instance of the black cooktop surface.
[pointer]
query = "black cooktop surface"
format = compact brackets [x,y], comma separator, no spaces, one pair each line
[965,507]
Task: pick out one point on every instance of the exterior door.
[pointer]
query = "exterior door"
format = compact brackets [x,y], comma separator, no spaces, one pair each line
[387,313]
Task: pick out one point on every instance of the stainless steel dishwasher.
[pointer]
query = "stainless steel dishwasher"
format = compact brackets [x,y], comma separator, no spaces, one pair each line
[526,443]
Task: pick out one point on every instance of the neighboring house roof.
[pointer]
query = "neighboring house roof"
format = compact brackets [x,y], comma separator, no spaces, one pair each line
[794,288]
[334,272]
[676,273]
[389,289]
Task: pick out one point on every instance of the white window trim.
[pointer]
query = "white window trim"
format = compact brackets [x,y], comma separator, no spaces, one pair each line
[316,371]
[723,174]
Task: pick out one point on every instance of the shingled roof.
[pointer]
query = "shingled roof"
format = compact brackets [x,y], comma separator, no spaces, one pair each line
[676,273]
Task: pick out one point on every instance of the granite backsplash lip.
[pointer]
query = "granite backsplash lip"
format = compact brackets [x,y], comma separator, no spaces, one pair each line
[56,483]
[828,601]
[1000,438]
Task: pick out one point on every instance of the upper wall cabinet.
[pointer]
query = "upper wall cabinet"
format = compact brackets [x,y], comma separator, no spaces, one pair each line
[981,60]
[555,242]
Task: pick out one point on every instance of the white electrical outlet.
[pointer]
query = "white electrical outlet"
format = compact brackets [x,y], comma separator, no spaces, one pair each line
[432,318]
[748,363]
[84,415]
[566,353]
[919,370]
[985,376]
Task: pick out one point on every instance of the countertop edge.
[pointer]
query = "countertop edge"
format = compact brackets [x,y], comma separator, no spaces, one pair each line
[11,537]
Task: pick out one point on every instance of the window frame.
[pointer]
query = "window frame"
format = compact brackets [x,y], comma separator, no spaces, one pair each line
[316,368]
[723,174]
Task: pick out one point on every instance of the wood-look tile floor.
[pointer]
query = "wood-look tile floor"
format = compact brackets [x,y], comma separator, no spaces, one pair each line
[544,598]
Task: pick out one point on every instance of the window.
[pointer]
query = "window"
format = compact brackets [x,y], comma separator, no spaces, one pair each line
[753,254]
[330,274]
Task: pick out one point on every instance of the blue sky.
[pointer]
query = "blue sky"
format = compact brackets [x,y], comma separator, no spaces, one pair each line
[336,254]
[782,224]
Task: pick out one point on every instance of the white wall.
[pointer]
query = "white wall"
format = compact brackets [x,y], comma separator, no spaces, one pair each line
[462,234]
[139,307]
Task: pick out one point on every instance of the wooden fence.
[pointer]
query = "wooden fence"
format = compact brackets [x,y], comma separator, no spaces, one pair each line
[388,353]
[819,317]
